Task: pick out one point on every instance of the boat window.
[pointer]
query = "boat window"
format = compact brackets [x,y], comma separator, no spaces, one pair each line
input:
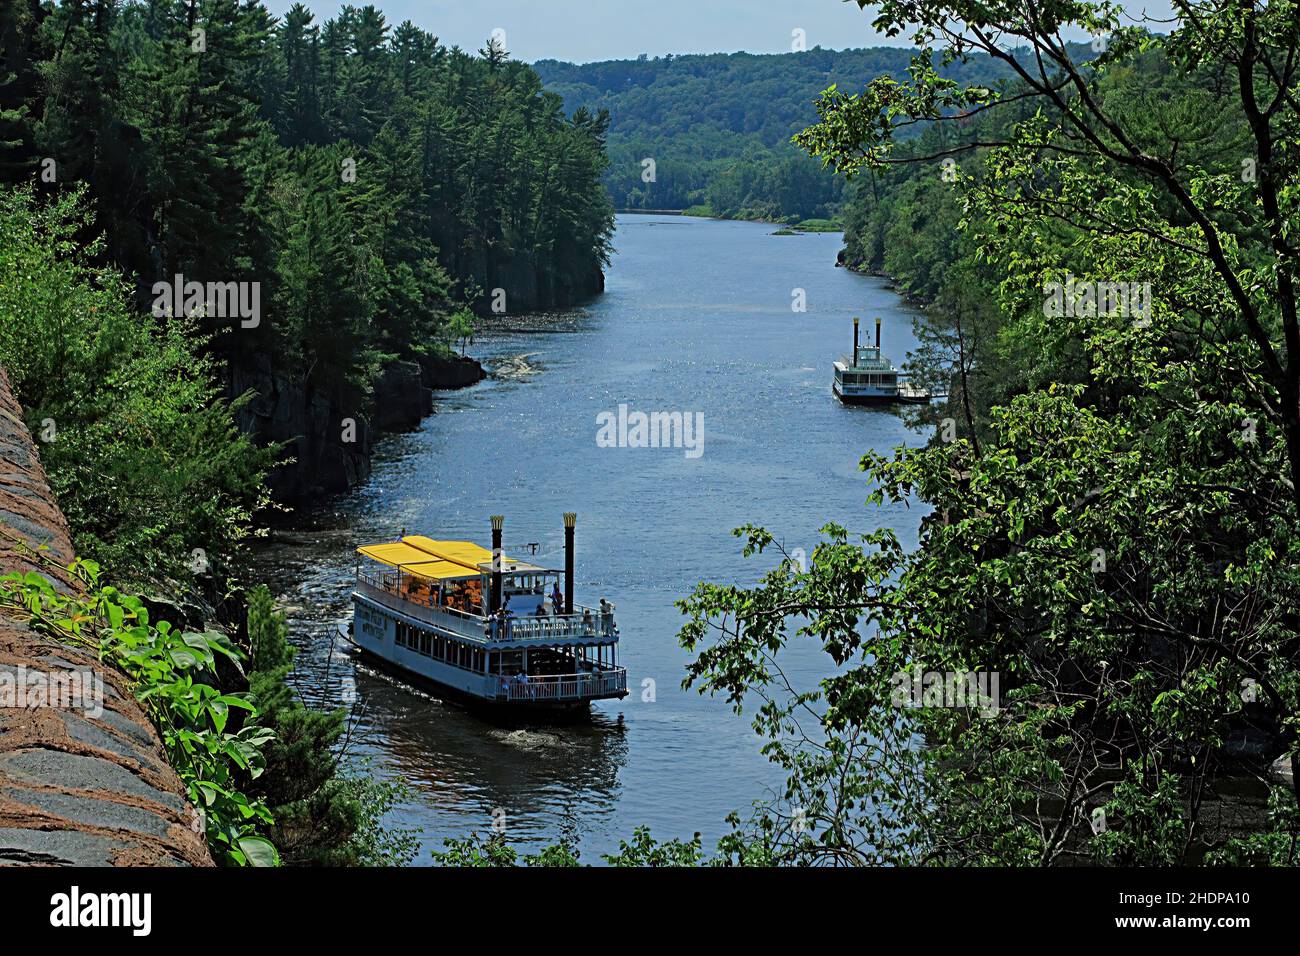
[425,640]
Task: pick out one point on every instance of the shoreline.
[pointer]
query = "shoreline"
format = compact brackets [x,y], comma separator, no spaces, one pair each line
[795,227]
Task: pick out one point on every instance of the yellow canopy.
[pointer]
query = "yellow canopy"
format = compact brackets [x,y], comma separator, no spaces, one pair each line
[440,560]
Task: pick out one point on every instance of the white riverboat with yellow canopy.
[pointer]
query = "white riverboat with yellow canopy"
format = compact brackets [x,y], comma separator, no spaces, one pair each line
[483,625]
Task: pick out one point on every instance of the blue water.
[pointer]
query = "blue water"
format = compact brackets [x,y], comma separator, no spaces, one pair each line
[697,318]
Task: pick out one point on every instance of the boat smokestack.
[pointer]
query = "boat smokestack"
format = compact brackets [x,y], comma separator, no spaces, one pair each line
[494,601]
[570,520]
[877,332]
[855,340]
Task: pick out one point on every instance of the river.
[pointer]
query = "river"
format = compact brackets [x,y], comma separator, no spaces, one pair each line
[697,318]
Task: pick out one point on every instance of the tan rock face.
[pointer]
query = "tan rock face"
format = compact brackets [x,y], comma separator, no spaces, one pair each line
[79,785]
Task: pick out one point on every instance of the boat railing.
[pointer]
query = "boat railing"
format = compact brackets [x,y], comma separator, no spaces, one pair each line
[389,594]
[543,687]
[587,622]
[584,622]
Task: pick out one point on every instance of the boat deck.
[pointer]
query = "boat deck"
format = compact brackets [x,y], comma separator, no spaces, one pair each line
[441,610]
[584,627]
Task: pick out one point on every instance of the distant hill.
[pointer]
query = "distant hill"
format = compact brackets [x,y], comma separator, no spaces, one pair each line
[718,126]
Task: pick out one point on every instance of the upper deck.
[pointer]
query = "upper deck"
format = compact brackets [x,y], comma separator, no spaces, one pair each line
[587,626]
[447,586]
[869,359]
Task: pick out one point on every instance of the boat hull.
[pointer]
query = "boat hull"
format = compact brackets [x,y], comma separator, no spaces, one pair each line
[880,398]
[495,708]
[374,634]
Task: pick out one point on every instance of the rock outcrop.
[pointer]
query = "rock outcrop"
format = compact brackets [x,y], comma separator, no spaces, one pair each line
[322,429]
[450,371]
[328,432]
[87,785]
[401,397]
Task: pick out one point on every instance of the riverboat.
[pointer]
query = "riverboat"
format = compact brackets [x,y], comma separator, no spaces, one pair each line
[484,627]
[868,378]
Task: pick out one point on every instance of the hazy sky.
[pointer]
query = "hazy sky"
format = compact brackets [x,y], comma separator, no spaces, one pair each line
[583,30]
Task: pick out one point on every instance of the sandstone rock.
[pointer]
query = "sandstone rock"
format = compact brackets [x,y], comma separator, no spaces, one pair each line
[79,788]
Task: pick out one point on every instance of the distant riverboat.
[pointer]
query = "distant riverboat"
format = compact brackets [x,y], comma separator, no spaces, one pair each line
[868,378]
[483,626]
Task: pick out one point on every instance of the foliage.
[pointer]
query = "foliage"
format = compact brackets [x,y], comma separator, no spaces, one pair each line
[460,328]
[173,673]
[366,178]
[644,850]
[141,451]
[323,816]
[1113,530]
[495,851]
[718,126]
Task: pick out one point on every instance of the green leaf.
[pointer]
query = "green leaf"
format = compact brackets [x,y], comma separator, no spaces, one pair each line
[259,851]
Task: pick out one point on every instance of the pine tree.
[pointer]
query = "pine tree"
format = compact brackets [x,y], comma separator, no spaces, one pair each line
[20,51]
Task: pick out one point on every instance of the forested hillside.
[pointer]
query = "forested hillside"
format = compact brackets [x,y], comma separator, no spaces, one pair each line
[718,126]
[1107,250]
[357,184]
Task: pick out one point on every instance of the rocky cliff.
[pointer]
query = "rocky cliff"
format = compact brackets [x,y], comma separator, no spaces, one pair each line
[329,432]
[77,788]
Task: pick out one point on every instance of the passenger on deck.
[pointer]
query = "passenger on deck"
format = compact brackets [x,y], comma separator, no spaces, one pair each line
[557,599]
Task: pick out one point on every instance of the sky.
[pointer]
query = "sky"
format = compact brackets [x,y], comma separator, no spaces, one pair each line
[584,30]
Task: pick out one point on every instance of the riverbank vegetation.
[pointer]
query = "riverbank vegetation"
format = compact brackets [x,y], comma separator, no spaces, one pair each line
[1108,249]
[140,447]
[175,676]
[321,812]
